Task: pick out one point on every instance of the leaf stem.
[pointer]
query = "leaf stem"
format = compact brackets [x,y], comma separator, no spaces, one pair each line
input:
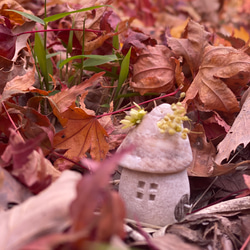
[45,30]
[130,107]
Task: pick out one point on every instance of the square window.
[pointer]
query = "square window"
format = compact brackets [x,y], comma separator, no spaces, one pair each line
[153,186]
[139,195]
[141,184]
[151,197]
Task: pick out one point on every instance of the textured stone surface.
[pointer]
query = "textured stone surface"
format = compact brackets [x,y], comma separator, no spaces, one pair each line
[156,152]
[152,198]
[154,176]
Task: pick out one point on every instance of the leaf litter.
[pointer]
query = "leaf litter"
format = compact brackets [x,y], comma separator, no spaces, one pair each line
[47,133]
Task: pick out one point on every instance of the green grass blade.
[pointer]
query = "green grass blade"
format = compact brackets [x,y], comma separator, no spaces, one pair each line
[45,64]
[61,15]
[124,71]
[93,61]
[29,16]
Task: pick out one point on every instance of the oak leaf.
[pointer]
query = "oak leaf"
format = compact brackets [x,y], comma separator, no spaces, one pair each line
[222,71]
[154,70]
[82,133]
[238,134]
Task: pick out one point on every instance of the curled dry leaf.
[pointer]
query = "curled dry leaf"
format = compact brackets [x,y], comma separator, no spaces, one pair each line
[209,88]
[11,191]
[207,9]
[154,70]
[20,84]
[15,18]
[238,134]
[191,47]
[44,213]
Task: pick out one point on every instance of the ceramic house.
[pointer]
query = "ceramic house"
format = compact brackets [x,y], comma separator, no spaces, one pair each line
[154,182]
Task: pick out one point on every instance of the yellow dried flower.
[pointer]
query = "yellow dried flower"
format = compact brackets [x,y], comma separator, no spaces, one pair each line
[172,123]
[134,118]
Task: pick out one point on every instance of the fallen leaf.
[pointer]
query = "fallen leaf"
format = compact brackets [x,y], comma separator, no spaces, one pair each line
[82,133]
[238,134]
[208,87]
[247,180]
[192,46]
[24,223]
[203,153]
[14,17]
[20,84]
[28,165]
[215,126]
[209,230]
[154,71]
[7,42]
[221,169]
[138,41]
[63,99]
[10,69]
[12,192]
[208,10]
[93,192]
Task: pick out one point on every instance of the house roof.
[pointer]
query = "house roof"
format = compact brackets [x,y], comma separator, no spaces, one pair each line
[156,152]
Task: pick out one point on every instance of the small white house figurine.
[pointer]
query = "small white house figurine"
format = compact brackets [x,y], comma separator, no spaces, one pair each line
[154,182]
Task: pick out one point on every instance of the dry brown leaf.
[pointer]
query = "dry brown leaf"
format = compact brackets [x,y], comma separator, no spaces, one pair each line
[92,21]
[63,99]
[154,70]
[203,153]
[44,213]
[192,47]
[208,87]
[20,84]
[207,9]
[238,134]
[83,133]
[16,18]
[12,192]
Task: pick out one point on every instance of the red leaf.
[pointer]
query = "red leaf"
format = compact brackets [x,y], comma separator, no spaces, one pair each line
[7,42]
[93,192]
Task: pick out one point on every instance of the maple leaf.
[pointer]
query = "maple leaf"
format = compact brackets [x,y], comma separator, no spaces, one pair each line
[222,71]
[154,71]
[82,133]
[190,47]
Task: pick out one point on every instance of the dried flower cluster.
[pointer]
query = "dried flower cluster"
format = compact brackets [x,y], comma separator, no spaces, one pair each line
[134,118]
[172,123]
